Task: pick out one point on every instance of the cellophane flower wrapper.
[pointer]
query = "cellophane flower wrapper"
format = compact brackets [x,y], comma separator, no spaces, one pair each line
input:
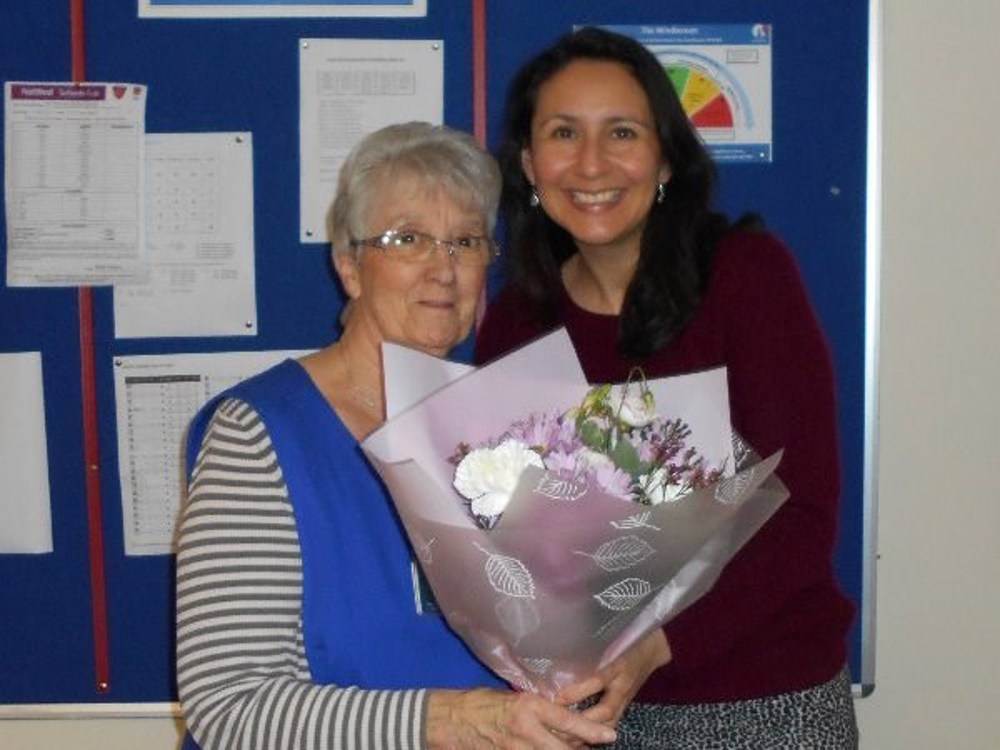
[569,577]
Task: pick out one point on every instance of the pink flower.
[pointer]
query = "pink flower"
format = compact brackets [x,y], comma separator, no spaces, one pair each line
[613,481]
[562,463]
[546,431]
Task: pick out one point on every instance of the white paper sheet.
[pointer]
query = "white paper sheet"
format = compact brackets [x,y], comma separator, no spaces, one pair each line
[199,238]
[156,397]
[279,8]
[73,183]
[347,89]
[425,375]
[25,510]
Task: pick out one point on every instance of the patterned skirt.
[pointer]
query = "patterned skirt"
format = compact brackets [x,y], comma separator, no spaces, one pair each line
[820,718]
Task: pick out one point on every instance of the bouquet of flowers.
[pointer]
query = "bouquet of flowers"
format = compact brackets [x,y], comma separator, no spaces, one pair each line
[614,440]
[558,523]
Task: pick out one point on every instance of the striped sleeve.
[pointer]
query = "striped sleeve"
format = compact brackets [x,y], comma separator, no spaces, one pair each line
[242,673]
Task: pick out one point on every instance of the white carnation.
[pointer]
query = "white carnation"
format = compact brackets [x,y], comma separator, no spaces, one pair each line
[632,407]
[488,476]
[658,489]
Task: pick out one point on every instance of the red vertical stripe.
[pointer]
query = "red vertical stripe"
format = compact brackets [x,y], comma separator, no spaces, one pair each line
[77,40]
[98,591]
[91,443]
[479,98]
[479,70]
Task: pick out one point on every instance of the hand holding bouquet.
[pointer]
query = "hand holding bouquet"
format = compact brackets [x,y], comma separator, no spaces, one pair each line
[583,517]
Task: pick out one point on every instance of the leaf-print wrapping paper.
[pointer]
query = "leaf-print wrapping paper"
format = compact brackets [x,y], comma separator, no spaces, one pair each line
[569,578]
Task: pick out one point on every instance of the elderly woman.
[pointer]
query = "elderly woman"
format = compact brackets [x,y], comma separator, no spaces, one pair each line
[296,624]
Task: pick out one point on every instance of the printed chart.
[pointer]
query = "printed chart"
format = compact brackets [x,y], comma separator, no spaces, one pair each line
[708,99]
[722,74]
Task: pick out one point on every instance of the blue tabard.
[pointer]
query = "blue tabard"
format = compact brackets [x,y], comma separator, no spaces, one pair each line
[360,622]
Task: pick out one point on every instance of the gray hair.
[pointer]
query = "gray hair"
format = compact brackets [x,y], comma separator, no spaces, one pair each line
[438,156]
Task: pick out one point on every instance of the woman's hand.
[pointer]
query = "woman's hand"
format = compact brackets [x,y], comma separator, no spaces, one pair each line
[618,682]
[487,719]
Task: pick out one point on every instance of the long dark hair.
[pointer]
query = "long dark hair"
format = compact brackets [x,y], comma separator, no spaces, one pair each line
[681,233]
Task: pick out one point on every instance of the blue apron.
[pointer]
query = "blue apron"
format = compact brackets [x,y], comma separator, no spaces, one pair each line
[360,623]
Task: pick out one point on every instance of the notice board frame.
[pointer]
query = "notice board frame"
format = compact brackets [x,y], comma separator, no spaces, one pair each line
[121,46]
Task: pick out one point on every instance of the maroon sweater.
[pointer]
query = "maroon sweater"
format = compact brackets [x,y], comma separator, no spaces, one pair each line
[776,619]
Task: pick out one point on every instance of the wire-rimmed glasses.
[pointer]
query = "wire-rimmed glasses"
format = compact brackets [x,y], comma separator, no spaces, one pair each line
[410,246]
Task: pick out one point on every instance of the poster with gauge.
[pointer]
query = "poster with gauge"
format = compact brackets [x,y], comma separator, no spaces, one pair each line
[722,73]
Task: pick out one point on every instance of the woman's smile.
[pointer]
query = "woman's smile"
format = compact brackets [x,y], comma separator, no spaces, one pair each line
[595,198]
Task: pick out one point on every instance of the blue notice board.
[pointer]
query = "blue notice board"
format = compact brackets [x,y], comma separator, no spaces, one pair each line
[227,74]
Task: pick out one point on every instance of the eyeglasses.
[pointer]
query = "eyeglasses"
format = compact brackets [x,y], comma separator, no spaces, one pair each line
[408,246]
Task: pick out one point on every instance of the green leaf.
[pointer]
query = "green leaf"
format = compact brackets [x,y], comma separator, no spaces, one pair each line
[592,436]
[626,457]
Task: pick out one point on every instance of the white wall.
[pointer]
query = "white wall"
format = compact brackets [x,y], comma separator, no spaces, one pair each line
[938,619]
[938,632]
[90,734]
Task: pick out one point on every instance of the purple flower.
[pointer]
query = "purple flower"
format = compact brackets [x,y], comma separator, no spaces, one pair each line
[563,463]
[545,432]
[613,481]
[613,442]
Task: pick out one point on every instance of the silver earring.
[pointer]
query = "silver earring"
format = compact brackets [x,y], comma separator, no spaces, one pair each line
[661,192]
[534,200]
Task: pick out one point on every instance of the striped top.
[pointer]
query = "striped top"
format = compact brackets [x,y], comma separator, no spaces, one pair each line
[242,672]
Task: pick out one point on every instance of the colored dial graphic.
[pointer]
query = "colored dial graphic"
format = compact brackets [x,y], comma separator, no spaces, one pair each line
[722,76]
[702,97]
